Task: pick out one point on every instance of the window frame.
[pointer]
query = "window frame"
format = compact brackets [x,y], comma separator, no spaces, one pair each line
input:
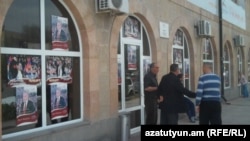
[43,53]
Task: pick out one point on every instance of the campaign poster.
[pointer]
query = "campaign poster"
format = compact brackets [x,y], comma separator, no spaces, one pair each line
[60,33]
[59,69]
[23,70]
[59,100]
[132,57]
[187,68]
[178,38]
[26,105]
[146,67]
[132,28]
[178,58]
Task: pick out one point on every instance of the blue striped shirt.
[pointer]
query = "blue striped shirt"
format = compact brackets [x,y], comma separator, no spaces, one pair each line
[208,88]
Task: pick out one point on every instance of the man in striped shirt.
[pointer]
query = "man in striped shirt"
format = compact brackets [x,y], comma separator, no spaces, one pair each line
[208,97]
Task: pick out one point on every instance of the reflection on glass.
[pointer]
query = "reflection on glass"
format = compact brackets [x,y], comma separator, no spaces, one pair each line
[21,27]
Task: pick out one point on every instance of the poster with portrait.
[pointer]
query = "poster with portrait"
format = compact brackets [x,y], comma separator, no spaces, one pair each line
[59,69]
[132,57]
[23,69]
[59,100]
[146,63]
[178,38]
[178,58]
[186,67]
[60,33]
[26,105]
[132,28]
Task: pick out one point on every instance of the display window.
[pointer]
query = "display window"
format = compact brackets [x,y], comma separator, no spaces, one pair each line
[181,55]
[41,65]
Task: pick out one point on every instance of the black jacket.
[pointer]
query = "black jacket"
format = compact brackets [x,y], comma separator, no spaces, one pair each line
[173,92]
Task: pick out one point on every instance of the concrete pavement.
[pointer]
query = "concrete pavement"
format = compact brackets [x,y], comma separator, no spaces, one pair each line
[236,113]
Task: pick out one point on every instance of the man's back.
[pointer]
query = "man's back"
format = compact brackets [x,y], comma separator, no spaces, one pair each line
[208,88]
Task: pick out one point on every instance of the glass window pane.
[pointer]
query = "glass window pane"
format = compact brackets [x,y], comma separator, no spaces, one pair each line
[207,52]
[63,88]
[21,92]
[21,27]
[135,119]
[56,18]
[146,49]
[132,72]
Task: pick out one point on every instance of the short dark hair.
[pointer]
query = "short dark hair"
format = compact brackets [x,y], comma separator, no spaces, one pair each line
[207,64]
[173,67]
[152,65]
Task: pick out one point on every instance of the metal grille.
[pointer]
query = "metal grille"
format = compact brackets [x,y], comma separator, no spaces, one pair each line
[103,4]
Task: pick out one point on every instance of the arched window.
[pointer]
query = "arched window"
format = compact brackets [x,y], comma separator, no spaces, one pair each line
[208,56]
[181,55]
[41,63]
[239,62]
[227,70]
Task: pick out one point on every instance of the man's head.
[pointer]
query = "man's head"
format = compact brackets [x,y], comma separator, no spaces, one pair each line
[25,96]
[58,92]
[59,25]
[154,68]
[174,69]
[207,68]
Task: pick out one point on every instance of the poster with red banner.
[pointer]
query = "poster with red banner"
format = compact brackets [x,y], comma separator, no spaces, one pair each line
[59,102]
[59,69]
[23,69]
[26,105]
[132,57]
[60,33]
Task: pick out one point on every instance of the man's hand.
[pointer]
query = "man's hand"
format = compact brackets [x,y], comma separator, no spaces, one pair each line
[150,89]
[160,99]
[197,109]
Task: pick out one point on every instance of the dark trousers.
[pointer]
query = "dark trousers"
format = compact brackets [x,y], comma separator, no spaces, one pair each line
[151,108]
[190,108]
[210,113]
[168,118]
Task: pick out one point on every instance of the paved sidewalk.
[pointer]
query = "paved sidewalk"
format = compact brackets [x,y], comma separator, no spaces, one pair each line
[237,113]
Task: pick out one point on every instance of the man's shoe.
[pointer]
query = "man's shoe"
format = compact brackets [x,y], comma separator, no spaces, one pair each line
[192,119]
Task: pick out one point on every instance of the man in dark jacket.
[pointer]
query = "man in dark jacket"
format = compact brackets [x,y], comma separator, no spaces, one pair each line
[172,91]
[150,91]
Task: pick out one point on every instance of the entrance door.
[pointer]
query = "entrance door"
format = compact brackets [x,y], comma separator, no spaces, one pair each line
[130,86]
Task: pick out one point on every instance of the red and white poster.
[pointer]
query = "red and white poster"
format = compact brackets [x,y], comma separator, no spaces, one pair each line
[59,69]
[26,105]
[60,33]
[132,58]
[23,70]
[59,104]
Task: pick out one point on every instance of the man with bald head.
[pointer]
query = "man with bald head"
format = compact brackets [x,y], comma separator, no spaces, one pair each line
[208,97]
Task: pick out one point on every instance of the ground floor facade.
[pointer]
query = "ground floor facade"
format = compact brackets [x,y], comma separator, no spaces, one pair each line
[69,70]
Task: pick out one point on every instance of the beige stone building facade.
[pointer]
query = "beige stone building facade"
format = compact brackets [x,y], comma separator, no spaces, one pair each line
[97,46]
